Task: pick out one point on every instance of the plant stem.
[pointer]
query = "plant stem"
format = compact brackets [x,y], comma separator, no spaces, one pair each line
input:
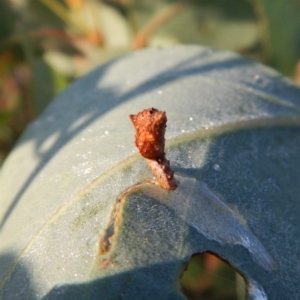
[142,38]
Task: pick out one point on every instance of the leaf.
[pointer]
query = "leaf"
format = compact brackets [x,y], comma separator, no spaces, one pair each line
[214,23]
[283,37]
[80,221]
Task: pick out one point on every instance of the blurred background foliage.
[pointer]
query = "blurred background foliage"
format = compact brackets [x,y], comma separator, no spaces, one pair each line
[46,44]
[208,277]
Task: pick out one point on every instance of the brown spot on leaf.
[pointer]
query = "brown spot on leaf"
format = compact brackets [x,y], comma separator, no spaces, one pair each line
[150,126]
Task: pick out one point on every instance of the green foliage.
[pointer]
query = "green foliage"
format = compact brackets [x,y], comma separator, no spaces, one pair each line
[6,21]
[282,37]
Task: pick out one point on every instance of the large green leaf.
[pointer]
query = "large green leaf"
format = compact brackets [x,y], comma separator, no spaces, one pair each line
[79,221]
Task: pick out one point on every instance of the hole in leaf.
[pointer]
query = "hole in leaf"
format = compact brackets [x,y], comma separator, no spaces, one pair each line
[208,277]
